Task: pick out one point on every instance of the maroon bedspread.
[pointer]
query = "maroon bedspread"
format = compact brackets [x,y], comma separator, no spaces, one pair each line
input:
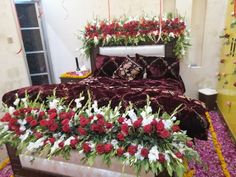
[164,93]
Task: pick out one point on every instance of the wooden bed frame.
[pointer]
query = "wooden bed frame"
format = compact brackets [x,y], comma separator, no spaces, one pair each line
[20,171]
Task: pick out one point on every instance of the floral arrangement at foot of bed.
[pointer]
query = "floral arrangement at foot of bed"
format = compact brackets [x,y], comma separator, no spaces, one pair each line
[135,31]
[147,141]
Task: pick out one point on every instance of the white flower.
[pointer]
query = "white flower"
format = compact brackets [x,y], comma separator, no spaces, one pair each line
[67,142]
[78,102]
[95,40]
[11,110]
[132,115]
[128,121]
[147,120]
[167,123]
[35,145]
[138,153]
[173,118]
[53,104]
[114,143]
[108,37]
[153,154]
[22,124]
[16,102]
[127,155]
[26,135]
[171,34]
[34,112]
[24,100]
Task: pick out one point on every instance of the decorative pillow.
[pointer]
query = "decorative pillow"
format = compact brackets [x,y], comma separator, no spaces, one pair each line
[128,70]
[106,65]
[158,67]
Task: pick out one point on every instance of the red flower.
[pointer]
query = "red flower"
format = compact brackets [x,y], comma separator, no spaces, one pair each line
[33,123]
[161,158]
[101,122]
[160,126]
[109,125]
[52,140]
[29,119]
[100,149]
[13,121]
[53,127]
[41,114]
[147,128]
[43,123]
[120,137]
[144,152]
[94,127]
[125,128]
[189,143]
[16,113]
[6,118]
[179,155]
[138,123]
[175,128]
[154,123]
[86,148]
[50,111]
[61,144]
[82,131]
[73,143]
[132,149]
[65,121]
[99,116]
[63,115]
[121,120]
[38,135]
[66,128]
[53,115]
[108,148]
[83,121]
[120,151]
[165,134]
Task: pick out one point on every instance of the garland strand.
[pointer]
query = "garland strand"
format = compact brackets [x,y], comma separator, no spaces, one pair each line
[4,163]
[218,147]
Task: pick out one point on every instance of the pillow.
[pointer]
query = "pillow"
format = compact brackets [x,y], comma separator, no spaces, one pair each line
[159,67]
[106,65]
[128,70]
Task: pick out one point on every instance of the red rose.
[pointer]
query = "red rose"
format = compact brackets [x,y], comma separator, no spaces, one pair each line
[189,143]
[175,128]
[161,158]
[120,137]
[100,149]
[65,121]
[99,116]
[53,127]
[109,125]
[86,148]
[43,123]
[108,148]
[53,115]
[120,151]
[52,140]
[6,118]
[73,143]
[66,128]
[165,134]
[121,120]
[50,111]
[138,123]
[125,128]
[101,130]
[82,131]
[83,121]
[16,113]
[38,135]
[132,149]
[94,127]
[154,123]
[29,119]
[144,152]
[41,114]
[101,122]
[13,121]
[147,128]
[61,144]
[33,123]
[179,155]
[160,126]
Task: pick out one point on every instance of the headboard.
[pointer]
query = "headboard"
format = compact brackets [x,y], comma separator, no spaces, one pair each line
[160,49]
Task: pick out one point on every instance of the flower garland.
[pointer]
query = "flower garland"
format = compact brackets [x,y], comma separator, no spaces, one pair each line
[218,147]
[148,141]
[135,31]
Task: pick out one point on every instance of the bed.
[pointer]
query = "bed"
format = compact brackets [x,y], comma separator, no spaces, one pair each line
[160,81]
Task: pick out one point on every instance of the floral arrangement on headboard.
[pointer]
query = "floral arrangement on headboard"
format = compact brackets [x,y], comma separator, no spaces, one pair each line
[136,31]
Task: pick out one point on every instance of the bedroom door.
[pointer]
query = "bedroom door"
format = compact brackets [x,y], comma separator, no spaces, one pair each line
[36,53]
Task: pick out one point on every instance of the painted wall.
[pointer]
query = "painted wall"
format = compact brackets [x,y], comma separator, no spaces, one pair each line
[64,18]
[13,68]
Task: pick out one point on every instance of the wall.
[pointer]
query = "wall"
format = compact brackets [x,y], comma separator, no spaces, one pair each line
[64,18]
[13,68]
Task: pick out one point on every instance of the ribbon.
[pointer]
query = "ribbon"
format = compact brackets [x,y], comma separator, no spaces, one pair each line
[109,9]
[160,21]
